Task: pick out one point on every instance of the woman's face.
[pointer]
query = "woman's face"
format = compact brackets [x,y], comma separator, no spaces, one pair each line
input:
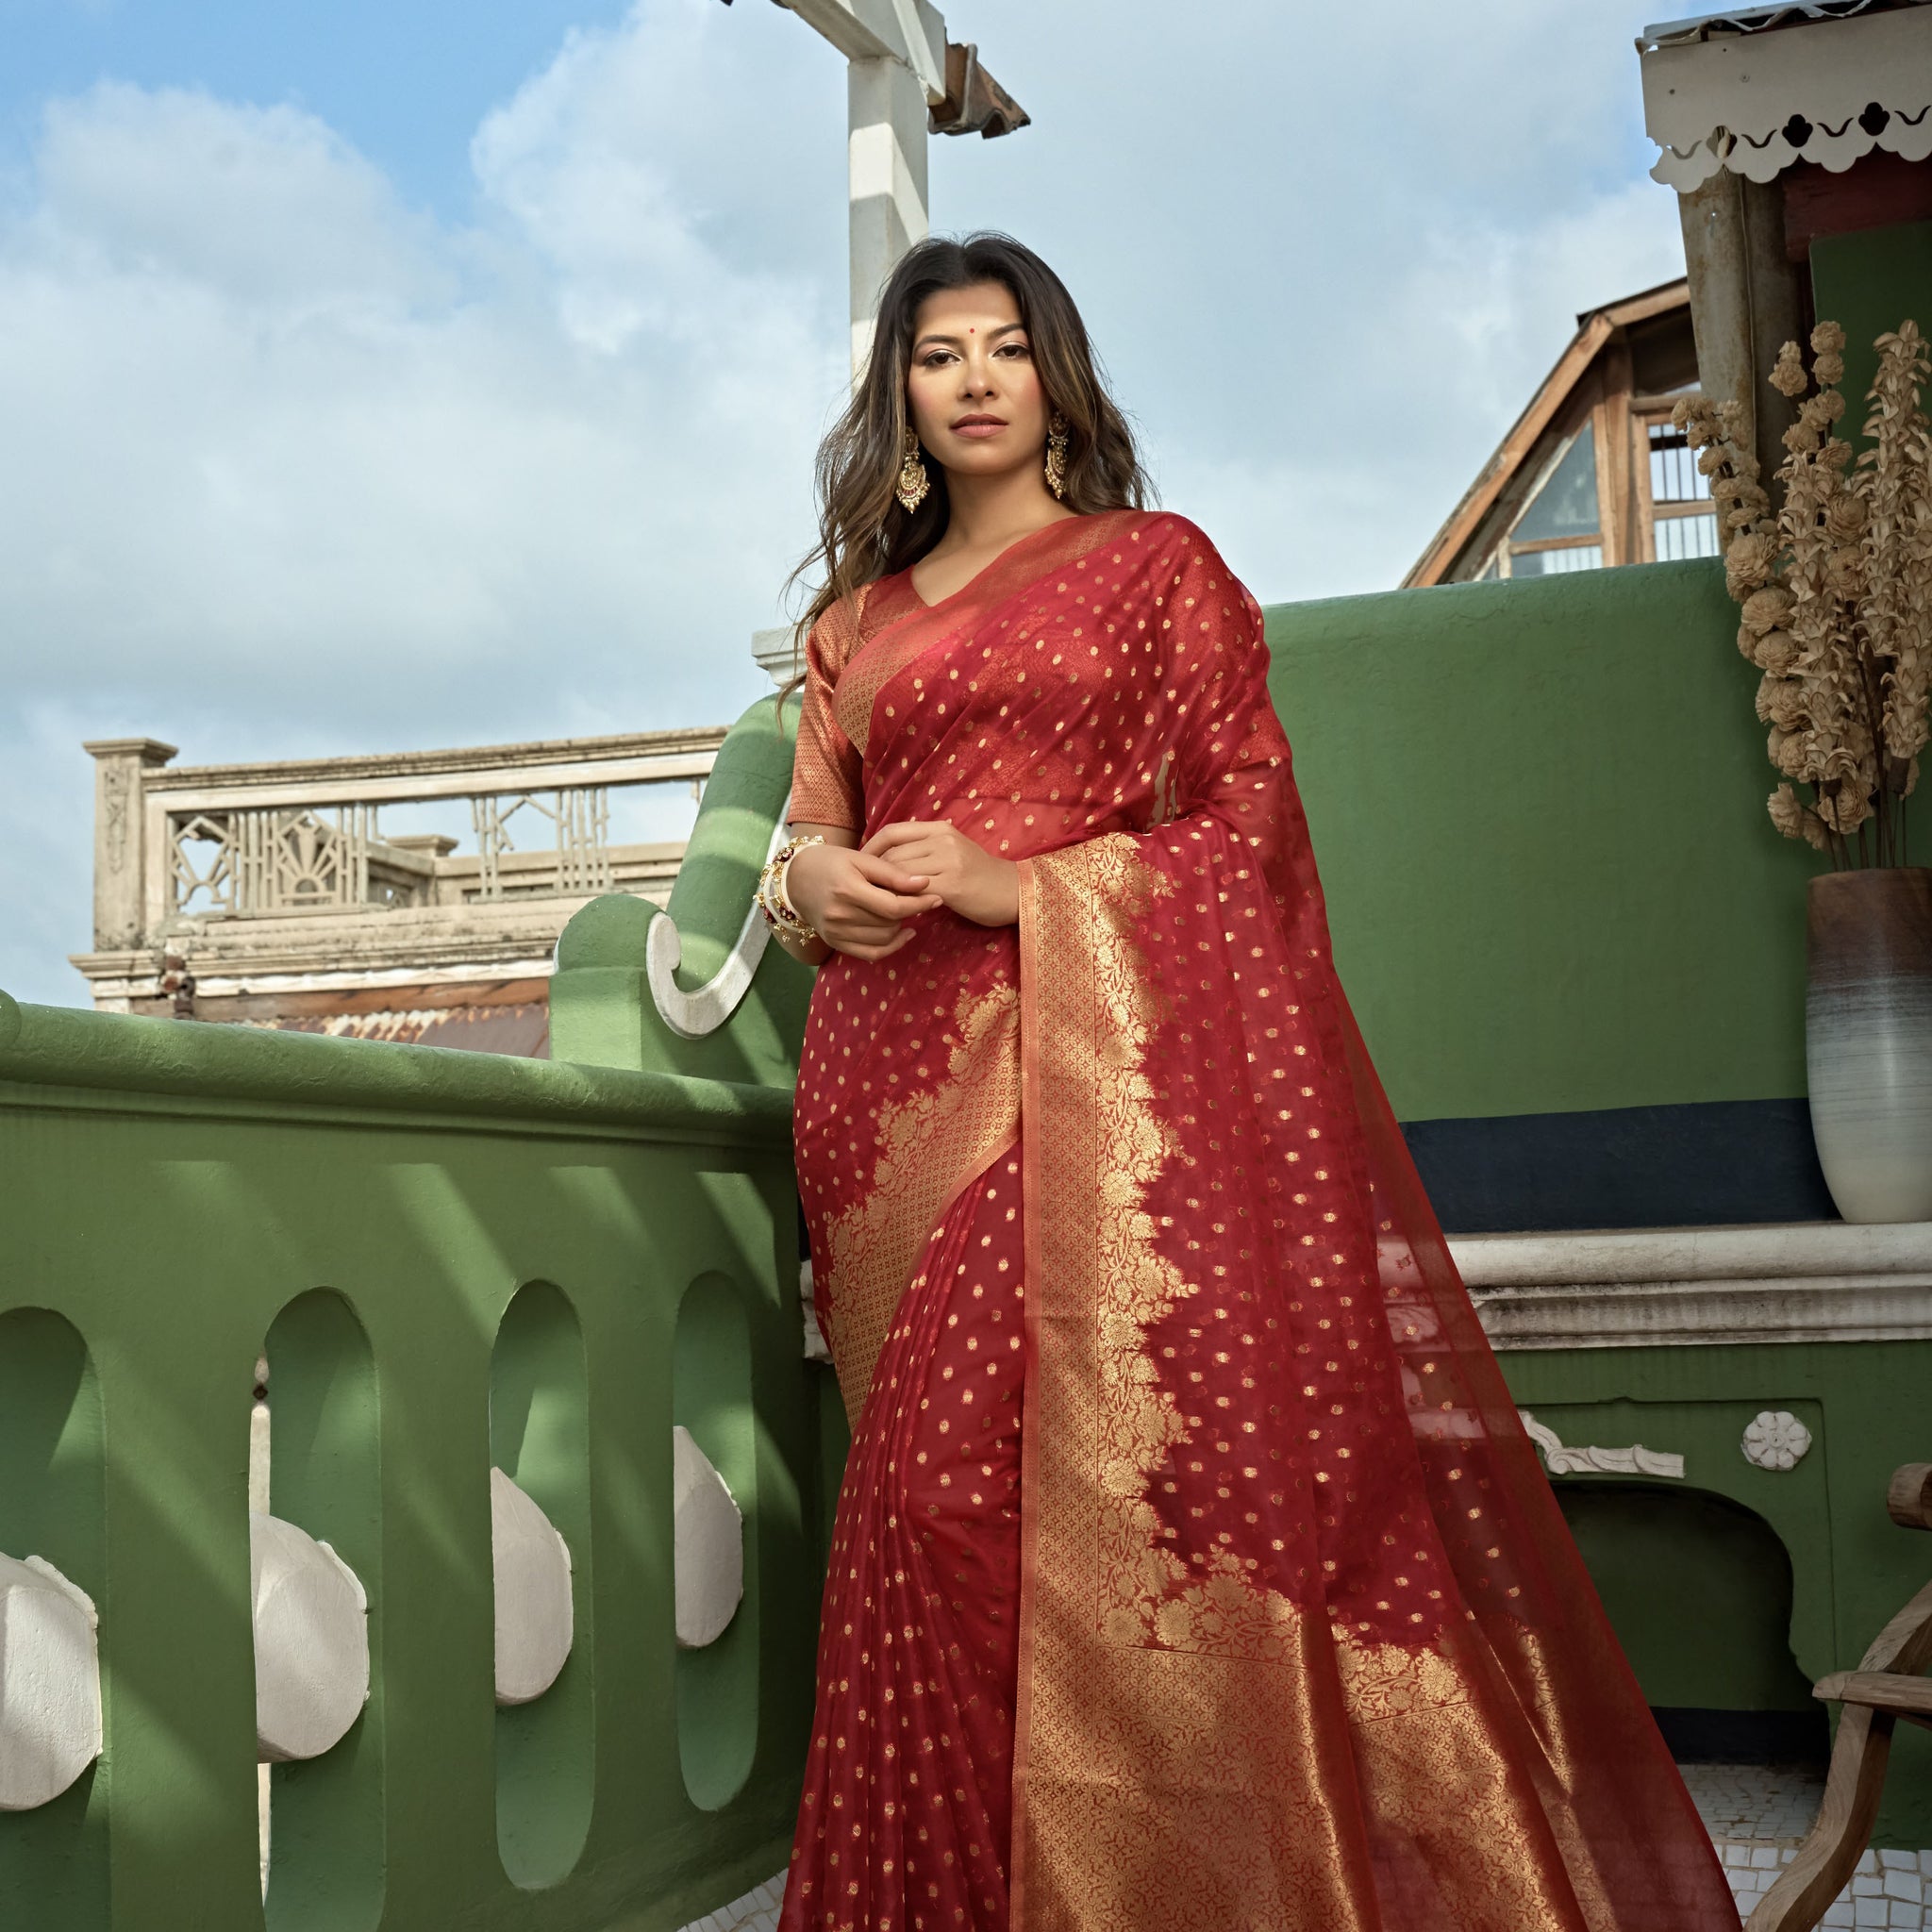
[972,393]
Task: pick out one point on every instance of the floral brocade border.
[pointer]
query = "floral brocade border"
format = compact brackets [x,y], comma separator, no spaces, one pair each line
[930,1146]
[1193,1751]
[1160,1711]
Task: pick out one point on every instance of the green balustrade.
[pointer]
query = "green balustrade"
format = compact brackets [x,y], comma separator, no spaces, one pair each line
[451,1260]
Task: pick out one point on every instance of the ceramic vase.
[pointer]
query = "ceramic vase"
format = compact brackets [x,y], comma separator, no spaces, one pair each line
[1868,1038]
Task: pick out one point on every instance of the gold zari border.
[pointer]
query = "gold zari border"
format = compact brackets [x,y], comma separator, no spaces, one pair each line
[1196,1753]
[1158,1715]
[930,1146]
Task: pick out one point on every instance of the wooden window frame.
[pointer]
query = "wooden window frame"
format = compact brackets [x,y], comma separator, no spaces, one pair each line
[1645,413]
[1594,542]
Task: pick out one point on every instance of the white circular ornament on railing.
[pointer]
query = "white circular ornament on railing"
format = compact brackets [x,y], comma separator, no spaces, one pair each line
[50,1683]
[1775,1439]
[708,1546]
[311,1642]
[534,1618]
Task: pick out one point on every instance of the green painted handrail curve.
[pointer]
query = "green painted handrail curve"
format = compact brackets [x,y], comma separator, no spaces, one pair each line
[744,797]
[603,1009]
[56,1047]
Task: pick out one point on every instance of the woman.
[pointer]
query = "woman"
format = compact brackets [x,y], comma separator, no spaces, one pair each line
[1192,1568]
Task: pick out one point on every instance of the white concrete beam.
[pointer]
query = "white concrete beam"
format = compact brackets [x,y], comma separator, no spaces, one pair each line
[911,31]
[1825,1281]
[887,108]
[260,794]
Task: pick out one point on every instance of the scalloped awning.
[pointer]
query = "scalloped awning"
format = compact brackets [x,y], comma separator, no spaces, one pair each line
[1758,90]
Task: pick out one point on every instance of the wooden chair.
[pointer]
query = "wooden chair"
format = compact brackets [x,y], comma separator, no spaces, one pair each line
[1889,1684]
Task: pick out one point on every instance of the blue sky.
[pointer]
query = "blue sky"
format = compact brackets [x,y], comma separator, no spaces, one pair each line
[425,374]
[406,83]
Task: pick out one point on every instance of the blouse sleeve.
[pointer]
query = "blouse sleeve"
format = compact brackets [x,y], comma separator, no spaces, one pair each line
[827,781]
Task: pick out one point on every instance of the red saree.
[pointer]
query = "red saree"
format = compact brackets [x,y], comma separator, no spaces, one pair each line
[1192,1568]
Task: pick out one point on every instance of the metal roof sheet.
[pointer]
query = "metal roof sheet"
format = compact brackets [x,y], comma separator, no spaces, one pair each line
[1755,20]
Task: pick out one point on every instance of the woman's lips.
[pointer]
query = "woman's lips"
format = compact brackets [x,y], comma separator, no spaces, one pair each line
[978,427]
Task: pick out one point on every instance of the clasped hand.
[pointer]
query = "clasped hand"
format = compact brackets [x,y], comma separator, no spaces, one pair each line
[859,899]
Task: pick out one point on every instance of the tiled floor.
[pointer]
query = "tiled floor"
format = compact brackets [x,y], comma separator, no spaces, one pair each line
[1757,1815]
[757,1911]
[1756,1802]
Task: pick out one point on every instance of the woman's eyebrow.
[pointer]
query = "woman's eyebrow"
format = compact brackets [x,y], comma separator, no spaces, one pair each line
[1006,328]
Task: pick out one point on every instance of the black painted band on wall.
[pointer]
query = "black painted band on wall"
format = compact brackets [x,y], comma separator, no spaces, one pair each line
[1704,1164]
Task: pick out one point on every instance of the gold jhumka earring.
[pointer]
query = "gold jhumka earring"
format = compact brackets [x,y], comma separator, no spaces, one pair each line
[1057,454]
[914,482]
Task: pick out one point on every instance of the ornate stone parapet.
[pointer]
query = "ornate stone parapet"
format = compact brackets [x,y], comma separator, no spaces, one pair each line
[1683,1287]
[121,769]
[255,885]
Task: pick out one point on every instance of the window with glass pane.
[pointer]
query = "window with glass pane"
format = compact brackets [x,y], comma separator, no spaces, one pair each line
[1566,504]
[1681,536]
[1559,530]
[1674,476]
[1547,563]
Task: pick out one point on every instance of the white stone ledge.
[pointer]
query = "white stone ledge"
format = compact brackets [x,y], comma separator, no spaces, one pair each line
[258,787]
[486,759]
[1687,1287]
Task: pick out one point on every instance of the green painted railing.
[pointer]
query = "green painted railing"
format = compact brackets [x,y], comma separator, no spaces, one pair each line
[451,1260]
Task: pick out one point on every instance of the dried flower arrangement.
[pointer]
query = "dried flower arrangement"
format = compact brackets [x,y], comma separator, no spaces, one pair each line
[1836,590]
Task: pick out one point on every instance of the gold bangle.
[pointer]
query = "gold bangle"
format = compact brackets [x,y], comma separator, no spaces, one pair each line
[771,896]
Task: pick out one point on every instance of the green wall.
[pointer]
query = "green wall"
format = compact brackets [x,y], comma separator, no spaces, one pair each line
[1851,1567]
[1538,812]
[1870,283]
[1727,1580]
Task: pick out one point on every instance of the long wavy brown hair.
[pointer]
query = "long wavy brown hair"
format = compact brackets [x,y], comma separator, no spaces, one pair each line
[864,532]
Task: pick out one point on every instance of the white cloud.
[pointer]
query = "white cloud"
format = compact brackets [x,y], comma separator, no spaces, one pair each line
[1328,254]
[333,450]
[1398,426]
[287,465]
[47,849]
[648,169]
[265,207]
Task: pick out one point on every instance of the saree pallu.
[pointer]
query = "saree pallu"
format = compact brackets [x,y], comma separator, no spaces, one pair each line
[1192,1568]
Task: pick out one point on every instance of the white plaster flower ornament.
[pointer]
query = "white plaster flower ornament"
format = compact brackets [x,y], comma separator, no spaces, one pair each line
[1775,1439]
